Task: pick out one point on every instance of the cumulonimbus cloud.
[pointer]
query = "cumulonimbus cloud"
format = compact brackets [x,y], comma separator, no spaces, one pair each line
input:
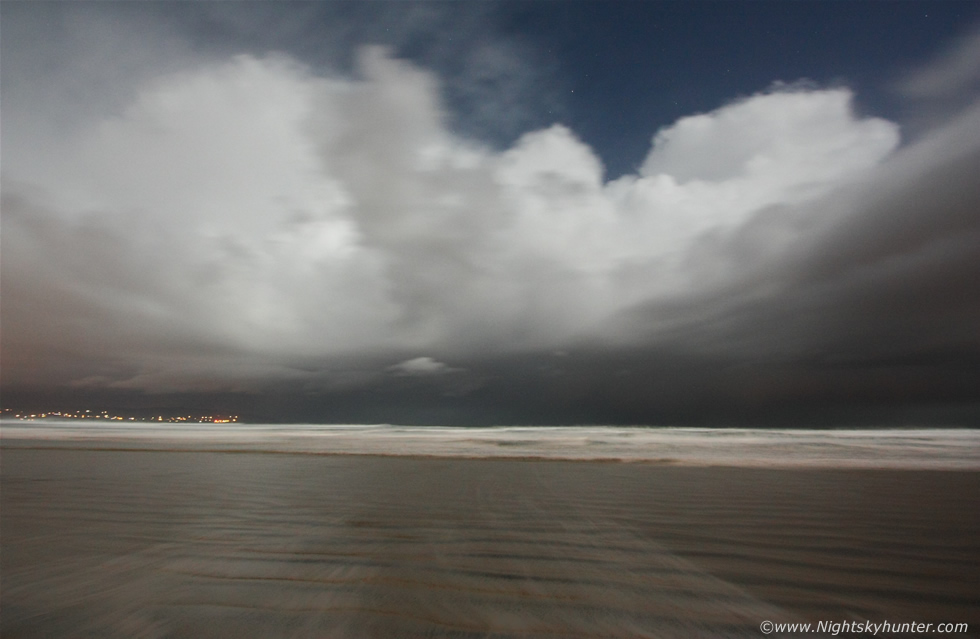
[242,215]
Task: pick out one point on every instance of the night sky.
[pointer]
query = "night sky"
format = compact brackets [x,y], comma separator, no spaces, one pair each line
[704,213]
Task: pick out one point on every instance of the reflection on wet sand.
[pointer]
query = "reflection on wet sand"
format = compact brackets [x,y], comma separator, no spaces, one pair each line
[204,544]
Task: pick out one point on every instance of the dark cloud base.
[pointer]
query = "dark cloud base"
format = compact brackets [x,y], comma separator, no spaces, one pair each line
[635,388]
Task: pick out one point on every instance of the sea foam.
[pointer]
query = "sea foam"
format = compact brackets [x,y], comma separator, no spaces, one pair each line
[913,448]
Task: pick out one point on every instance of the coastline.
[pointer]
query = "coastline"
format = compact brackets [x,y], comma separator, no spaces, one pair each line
[909,448]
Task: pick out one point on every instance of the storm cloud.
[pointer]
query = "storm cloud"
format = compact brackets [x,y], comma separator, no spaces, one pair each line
[246,222]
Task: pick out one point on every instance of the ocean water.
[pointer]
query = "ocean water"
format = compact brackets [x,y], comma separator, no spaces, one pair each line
[377,531]
[907,448]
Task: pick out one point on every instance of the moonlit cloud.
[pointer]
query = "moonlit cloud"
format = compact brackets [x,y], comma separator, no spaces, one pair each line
[420,366]
[254,207]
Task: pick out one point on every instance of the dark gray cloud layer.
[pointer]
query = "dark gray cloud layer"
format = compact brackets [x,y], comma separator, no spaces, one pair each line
[258,233]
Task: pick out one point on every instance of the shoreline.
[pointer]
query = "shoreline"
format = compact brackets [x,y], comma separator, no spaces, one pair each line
[911,449]
[637,461]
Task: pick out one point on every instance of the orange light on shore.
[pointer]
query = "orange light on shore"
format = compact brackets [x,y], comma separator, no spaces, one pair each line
[88,414]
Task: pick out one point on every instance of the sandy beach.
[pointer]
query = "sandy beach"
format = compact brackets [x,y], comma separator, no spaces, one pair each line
[143,543]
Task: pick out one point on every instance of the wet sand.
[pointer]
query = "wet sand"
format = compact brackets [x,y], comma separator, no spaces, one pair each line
[219,544]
